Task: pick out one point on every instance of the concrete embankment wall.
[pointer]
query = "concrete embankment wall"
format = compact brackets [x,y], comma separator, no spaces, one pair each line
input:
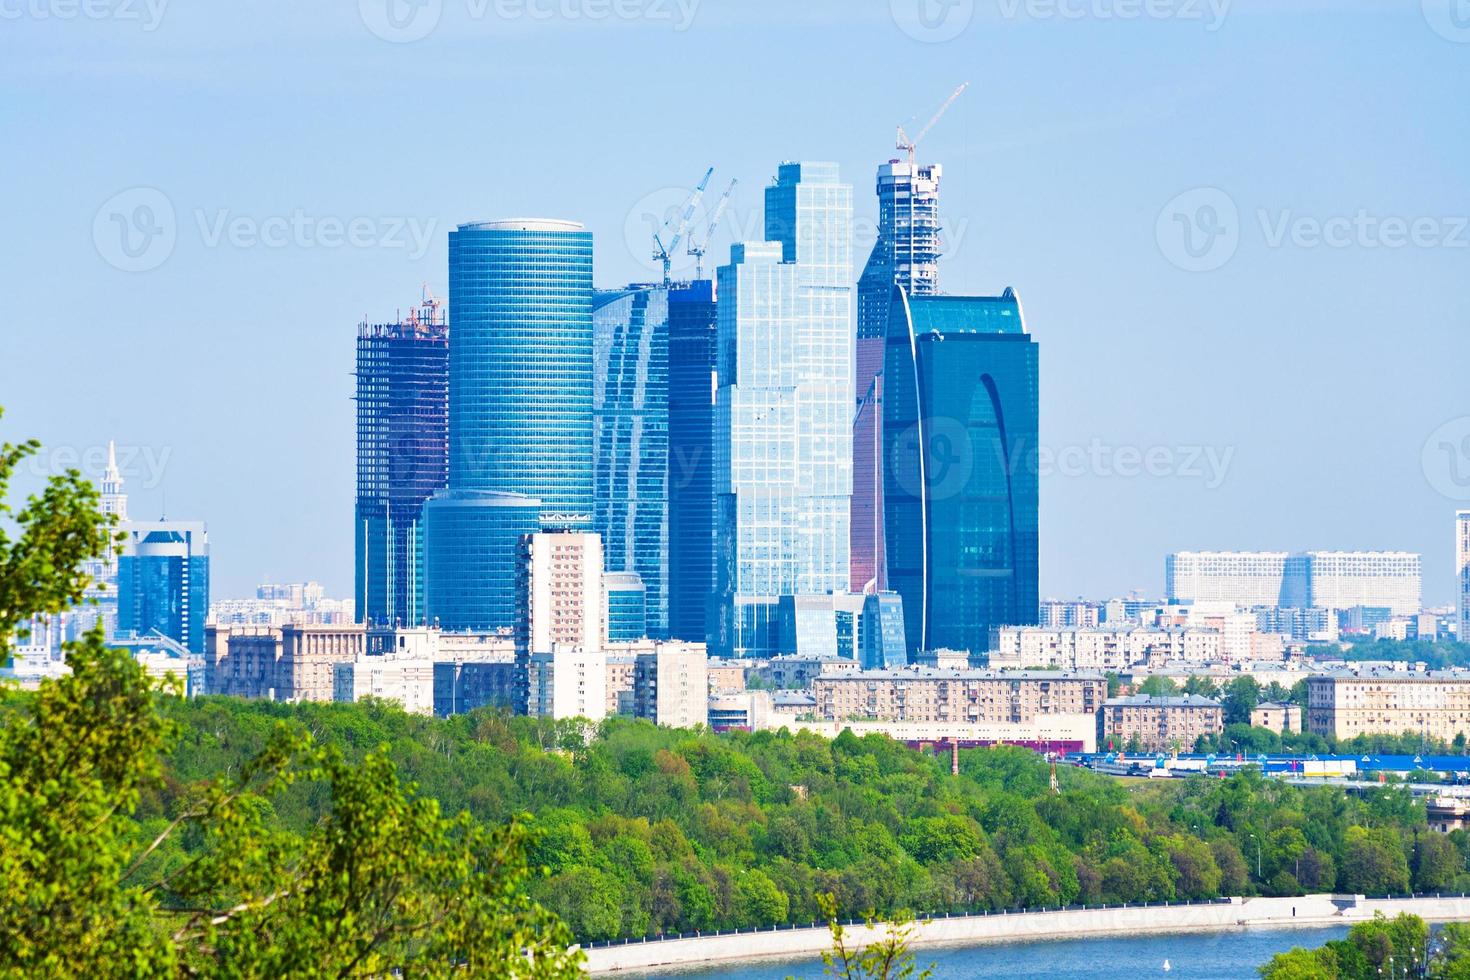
[1313,910]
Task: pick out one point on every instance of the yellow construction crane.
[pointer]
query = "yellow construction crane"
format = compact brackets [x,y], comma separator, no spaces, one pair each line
[904,143]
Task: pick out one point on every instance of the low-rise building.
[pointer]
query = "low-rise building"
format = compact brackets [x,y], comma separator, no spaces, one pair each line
[406,680]
[796,672]
[923,694]
[1105,648]
[1277,717]
[1159,724]
[1345,704]
[726,676]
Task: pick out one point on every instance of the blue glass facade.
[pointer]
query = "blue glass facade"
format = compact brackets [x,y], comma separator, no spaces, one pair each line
[960,483]
[692,386]
[783,416]
[163,582]
[470,540]
[627,607]
[520,366]
[882,640]
[630,405]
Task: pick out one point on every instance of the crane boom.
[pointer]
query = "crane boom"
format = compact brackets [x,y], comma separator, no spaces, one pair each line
[662,252]
[698,250]
[911,145]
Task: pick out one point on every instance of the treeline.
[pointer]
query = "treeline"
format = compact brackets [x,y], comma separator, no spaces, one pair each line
[642,830]
[1381,947]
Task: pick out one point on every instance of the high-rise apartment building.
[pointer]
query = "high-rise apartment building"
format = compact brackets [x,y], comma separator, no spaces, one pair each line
[1380,579]
[520,411]
[163,581]
[783,417]
[560,593]
[906,254]
[1245,578]
[671,685]
[630,406]
[692,387]
[1462,571]
[402,458]
[961,495]
[1335,580]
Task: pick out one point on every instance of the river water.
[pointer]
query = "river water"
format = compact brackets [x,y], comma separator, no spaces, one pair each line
[1232,955]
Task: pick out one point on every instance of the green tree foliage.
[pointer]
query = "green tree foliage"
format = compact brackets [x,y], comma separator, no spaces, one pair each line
[890,958]
[1380,947]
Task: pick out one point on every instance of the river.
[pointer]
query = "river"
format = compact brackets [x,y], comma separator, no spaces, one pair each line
[1232,955]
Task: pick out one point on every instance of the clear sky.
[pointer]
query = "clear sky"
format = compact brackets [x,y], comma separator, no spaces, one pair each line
[1291,375]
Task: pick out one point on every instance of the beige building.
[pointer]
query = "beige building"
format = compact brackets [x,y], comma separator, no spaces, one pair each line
[309,654]
[620,671]
[288,663]
[1435,704]
[726,676]
[1160,724]
[1280,718]
[559,594]
[968,696]
[671,685]
[241,660]
[406,680]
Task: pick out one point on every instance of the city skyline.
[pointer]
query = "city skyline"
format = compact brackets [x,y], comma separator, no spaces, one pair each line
[1116,313]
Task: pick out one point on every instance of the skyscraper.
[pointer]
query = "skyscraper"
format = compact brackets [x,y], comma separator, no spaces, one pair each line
[783,416]
[1462,571]
[101,594]
[163,581]
[630,406]
[906,254]
[960,485]
[402,458]
[520,411]
[692,387]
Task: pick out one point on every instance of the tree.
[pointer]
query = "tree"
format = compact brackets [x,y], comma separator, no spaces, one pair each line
[759,900]
[1241,697]
[1302,964]
[1437,863]
[1373,863]
[890,958]
[1158,686]
[1197,874]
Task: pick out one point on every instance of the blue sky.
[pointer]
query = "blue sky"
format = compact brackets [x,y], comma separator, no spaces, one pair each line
[1291,376]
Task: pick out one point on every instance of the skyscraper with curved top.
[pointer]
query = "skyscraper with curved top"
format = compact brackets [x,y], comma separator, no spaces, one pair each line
[520,411]
[960,488]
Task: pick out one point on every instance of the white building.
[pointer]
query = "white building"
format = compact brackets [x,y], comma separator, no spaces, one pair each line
[671,685]
[1377,579]
[1462,569]
[560,599]
[1102,648]
[568,682]
[407,680]
[1336,580]
[1242,578]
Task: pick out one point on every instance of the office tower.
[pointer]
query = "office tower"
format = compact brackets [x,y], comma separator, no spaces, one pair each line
[882,644]
[560,599]
[1462,571]
[783,446]
[402,458]
[520,412]
[627,607]
[163,581]
[692,387]
[630,405]
[906,254]
[960,418]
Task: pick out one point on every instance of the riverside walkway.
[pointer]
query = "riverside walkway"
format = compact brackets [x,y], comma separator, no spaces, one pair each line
[1022,926]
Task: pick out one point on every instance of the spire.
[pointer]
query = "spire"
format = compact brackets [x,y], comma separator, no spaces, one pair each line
[114,500]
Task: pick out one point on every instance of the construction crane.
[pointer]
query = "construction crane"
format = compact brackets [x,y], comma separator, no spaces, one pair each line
[661,252]
[904,143]
[698,250]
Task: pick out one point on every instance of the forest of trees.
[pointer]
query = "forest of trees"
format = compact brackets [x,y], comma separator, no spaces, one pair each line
[1402,946]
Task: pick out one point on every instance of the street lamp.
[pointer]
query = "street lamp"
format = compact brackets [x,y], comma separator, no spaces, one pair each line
[1258,855]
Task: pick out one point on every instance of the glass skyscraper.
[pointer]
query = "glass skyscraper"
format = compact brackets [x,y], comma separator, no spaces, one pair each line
[692,386]
[960,423]
[630,406]
[520,410]
[163,582]
[906,254]
[783,416]
[402,458]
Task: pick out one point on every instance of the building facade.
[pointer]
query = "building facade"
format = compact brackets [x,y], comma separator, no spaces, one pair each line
[402,458]
[1335,580]
[905,254]
[693,383]
[783,446]
[1344,705]
[967,696]
[564,682]
[630,411]
[560,599]
[627,606]
[671,685]
[1102,648]
[163,581]
[961,490]
[1279,718]
[1244,578]
[1158,724]
[1462,571]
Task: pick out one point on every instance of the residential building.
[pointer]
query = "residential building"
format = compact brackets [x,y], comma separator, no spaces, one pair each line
[1158,724]
[906,254]
[1312,625]
[671,685]
[693,383]
[627,606]
[630,439]
[1059,614]
[923,694]
[795,671]
[1462,572]
[309,655]
[402,458]
[1343,579]
[1240,578]
[163,581]
[726,676]
[279,604]
[1336,580]
[961,493]
[561,602]
[1345,704]
[520,411]
[1278,717]
[1116,648]
[241,660]
[783,446]
[621,671]
[406,680]
[564,682]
